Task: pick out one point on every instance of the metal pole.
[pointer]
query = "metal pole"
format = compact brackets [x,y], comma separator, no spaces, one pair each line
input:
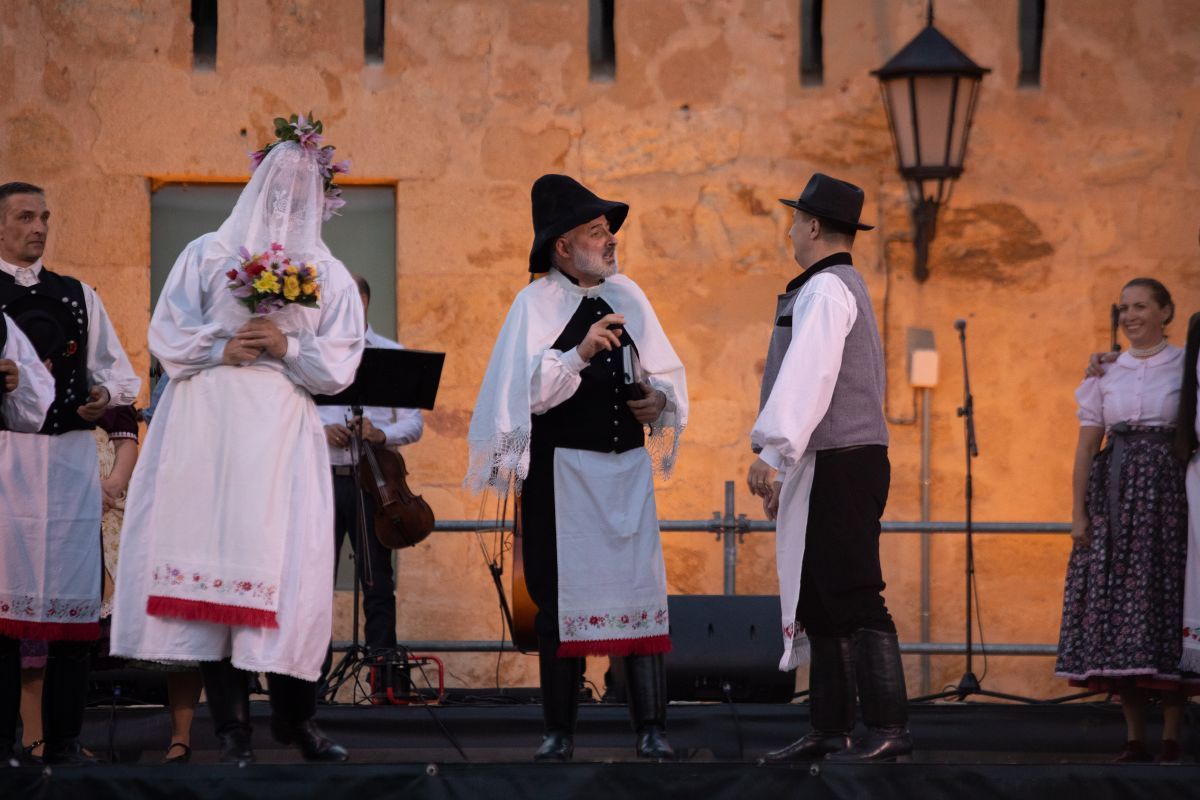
[730,531]
[926,542]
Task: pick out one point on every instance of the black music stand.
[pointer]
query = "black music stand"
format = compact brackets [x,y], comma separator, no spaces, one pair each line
[385,378]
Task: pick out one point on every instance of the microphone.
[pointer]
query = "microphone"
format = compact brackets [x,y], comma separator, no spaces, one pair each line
[960,325]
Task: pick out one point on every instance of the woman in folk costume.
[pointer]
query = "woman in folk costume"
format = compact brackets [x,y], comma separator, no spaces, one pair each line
[226,557]
[557,422]
[1123,601]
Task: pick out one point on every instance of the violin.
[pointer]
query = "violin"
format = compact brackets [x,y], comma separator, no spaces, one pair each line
[402,519]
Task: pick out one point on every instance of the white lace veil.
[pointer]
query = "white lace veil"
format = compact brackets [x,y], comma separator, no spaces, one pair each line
[283,202]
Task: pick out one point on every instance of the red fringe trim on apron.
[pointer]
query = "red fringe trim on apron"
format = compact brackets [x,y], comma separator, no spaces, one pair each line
[51,631]
[159,606]
[649,646]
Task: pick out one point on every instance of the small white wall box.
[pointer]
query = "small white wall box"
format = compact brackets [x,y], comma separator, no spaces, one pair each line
[922,359]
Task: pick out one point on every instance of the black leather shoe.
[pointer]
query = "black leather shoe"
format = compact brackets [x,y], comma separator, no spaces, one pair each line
[810,747]
[235,747]
[879,744]
[556,746]
[308,739]
[652,744]
[67,753]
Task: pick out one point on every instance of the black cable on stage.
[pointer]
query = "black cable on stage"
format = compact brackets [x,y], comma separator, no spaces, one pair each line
[437,720]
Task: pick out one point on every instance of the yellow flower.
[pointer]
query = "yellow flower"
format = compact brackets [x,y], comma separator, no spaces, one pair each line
[291,287]
[266,282]
[291,269]
[308,288]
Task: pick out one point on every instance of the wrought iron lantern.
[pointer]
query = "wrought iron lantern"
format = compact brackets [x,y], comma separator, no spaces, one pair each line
[929,91]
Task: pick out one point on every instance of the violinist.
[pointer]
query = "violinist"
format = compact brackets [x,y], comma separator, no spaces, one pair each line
[380,426]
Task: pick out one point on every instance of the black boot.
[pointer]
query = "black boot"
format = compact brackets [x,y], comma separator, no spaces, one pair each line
[830,702]
[228,691]
[10,698]
[884,699]
[560,703]
[64,697]
[647,680]
[293,706]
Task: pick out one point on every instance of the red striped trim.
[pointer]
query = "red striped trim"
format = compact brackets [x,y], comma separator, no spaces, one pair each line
[50,631]
[159,606]
[649,646]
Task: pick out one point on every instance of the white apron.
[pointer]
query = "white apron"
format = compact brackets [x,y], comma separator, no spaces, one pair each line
[612,583]
[791,531]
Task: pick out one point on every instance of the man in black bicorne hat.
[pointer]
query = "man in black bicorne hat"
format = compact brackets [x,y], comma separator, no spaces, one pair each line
[823,471]
[50,557]
[579,370]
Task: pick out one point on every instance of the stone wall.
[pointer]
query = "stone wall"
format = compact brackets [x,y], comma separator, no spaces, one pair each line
[1070,189]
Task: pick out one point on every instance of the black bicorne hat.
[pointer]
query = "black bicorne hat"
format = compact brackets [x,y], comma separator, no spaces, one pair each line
[828,198]
[47,323]
[561,203]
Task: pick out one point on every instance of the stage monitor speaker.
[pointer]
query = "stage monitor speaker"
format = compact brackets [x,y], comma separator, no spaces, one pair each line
[719,639]
[734,639]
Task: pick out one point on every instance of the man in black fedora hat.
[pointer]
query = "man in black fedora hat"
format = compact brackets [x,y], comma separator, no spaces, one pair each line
[580,367]
[823,471]
[50,556]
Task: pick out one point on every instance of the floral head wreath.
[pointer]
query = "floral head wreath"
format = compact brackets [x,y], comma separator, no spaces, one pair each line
[307,132]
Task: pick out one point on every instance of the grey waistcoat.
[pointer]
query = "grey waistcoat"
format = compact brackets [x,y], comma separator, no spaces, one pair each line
[855,415]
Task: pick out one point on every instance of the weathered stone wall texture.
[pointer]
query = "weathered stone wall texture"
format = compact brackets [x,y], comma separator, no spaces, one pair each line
[1070,189]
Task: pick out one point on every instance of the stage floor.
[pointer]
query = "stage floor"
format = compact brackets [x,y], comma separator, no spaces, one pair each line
[483,749]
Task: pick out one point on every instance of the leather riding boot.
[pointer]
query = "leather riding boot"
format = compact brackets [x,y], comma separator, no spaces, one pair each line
[293,706]
[830,702]
[647,680]
[560,703]
[64,696]
[884,699]
[228,691]
[10,697]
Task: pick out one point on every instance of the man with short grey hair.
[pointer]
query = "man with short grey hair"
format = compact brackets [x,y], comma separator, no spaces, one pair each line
[822,432]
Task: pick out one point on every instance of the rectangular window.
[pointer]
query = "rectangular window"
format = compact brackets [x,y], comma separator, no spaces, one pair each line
[812,46]
[373,25]
[602,46]
[1031,21]
[204,34]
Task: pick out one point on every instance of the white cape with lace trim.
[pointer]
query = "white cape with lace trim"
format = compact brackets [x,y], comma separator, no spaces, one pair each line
[501,424]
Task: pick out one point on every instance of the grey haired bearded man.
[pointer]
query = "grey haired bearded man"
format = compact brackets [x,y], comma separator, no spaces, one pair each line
[821,425]
[558,422]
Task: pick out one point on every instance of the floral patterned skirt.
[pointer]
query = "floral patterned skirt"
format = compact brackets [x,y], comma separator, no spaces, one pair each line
[1123,603]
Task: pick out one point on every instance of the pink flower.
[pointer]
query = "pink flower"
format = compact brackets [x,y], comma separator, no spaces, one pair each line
[276,247]
[244,253]
[256,158]
[332,204]
[341,166]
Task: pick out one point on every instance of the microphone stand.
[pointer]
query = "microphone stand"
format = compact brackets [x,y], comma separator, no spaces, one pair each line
[969,684]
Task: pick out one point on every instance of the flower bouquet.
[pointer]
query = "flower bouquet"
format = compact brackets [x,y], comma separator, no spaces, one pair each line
[270,280]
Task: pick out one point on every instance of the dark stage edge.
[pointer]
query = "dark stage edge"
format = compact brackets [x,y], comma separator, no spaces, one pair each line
[974,750]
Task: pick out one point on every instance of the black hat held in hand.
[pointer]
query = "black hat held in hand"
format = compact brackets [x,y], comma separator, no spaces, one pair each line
[828,198]
[561,203]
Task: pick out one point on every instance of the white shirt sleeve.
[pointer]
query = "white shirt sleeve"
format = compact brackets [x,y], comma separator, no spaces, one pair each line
[1090,398]
[555,379]
[25,407]
[822,317]
[324,361]
[107,364]
[181,337]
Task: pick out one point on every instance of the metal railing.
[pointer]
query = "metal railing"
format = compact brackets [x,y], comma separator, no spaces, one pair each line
[730,528]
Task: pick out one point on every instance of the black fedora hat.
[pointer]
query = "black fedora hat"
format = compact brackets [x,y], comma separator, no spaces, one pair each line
[828,198]
[47,323]
[561,203]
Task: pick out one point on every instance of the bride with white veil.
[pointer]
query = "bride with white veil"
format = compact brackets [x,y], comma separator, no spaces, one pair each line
[226,553]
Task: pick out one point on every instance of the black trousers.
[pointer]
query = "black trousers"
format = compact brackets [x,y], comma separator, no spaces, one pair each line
[66,676]
[378,584]
[841,585]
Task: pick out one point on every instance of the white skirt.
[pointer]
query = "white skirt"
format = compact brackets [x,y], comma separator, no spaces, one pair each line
[232,489]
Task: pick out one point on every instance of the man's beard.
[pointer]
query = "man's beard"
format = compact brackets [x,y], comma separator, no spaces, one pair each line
[595,265]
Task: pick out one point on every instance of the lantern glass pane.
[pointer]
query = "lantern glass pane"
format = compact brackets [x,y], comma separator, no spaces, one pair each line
[933,117]
[963,108]
[899,106]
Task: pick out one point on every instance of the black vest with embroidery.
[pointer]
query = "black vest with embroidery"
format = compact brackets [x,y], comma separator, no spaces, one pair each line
[70,367]
[595,417]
